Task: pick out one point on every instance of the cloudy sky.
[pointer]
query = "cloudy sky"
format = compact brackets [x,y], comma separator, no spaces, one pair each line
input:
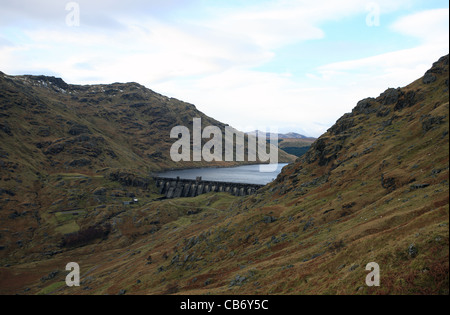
[294,65]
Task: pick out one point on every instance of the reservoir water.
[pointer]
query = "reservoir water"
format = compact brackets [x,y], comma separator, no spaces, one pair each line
[246,174]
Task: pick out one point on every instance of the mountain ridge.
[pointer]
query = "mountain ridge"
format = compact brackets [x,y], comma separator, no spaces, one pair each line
[289,135]
[126,111]
[68,147]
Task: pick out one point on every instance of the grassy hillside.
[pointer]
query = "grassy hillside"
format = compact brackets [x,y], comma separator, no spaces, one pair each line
[373,188]
[68,151]
[48,124]
[296,146]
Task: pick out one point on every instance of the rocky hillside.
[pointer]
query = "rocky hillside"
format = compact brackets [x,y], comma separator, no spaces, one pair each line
[373,188]
[69,148]
[47,124]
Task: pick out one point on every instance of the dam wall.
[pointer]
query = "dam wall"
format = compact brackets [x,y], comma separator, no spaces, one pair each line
[182,188]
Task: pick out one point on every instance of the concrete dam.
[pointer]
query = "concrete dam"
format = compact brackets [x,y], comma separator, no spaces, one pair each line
[179,188]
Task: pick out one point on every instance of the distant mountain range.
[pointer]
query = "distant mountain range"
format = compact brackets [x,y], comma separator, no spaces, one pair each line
[292,143]
[289,135]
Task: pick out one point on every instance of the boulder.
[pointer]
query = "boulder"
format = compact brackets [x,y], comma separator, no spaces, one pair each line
[80,162]
[429,78]
[269,219]
[412,251]
[100,191]
[6,129]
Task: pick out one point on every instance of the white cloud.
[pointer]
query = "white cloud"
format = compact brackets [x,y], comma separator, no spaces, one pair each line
[430,26]
[249,99]
[401,67]
[316,102]
[147,52]
[280,23]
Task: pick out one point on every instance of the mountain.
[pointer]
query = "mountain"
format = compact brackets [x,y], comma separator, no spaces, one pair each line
[54,125]
[289,135]
[73,148]
[372,189]
[292,143]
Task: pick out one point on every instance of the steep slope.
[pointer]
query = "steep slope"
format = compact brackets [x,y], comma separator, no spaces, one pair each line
[50,124]
[373,188]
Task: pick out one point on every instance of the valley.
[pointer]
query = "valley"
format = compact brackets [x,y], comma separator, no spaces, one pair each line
[373,188]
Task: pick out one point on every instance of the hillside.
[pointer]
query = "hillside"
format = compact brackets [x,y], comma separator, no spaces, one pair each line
[373,188]
[76,148]
[292,143]
[289,135]
[296,146]
[49,124]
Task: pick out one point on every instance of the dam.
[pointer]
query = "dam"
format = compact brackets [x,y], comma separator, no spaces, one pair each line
[182,188]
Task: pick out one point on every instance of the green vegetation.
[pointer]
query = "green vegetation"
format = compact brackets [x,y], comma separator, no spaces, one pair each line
[52,288]
[297,147]
[296,151]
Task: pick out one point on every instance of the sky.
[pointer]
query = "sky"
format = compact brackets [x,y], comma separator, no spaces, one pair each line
[286,65]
